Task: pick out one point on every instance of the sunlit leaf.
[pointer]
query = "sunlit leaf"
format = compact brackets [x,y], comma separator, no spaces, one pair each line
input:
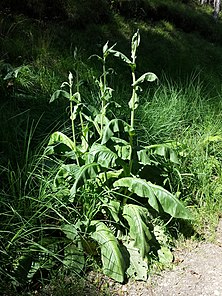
[114,174]
[122,148]
[105,47]
[156,195]
[76,97]
[102,155]
[122,56]
[114,126]
[137,218]
[70,231]
[112,258]
[135,43]
[149,76]
[134,102]
[138,266]
[164,150]
[165,255]
[60,142]
[85,173]
[114,209]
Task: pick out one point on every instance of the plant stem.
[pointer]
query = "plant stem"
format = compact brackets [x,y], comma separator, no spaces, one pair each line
[77,89]
[103,91]
[133,101]
[73,126]
[131,133]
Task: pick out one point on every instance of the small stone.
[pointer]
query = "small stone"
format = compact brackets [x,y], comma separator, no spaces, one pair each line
[124,288]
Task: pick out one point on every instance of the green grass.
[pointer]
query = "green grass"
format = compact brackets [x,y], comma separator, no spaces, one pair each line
[189,116]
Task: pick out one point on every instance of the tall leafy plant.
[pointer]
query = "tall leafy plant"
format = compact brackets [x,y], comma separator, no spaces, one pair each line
[112,172]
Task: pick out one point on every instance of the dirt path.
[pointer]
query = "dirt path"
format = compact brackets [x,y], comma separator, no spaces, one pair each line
[198,273]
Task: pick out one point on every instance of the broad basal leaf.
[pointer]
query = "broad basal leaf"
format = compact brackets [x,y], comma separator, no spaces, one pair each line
[122,148]
[137,218]
[112,259]
[114,174]
[138,266]
[155,194]
[74,258]
[114,209]
[85,173]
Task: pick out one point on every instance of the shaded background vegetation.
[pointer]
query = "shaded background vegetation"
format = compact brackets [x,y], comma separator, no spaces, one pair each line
[180,41]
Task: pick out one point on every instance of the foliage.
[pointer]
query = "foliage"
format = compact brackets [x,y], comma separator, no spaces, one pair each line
[103,157]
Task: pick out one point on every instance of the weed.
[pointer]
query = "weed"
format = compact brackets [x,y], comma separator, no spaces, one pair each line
[109,163]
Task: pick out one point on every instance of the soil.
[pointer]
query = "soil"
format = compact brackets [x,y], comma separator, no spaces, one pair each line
[197,271]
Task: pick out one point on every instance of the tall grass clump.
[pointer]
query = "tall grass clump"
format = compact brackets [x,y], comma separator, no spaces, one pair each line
[32,245]
[189,117]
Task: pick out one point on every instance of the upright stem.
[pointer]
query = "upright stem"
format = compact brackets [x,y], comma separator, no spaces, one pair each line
[73,126]
[131,134]
[103,91]
[133,102]
[77,89]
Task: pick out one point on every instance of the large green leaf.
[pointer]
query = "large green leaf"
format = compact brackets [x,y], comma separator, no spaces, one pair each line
[137,218]
[112,174]
[138,266]
[155,194]
[102,155]
[114,126]
[114,209]
[122,148]
[70,231]
[112,258]
[165,150]
[85,173]
[58,138]
[74,258]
